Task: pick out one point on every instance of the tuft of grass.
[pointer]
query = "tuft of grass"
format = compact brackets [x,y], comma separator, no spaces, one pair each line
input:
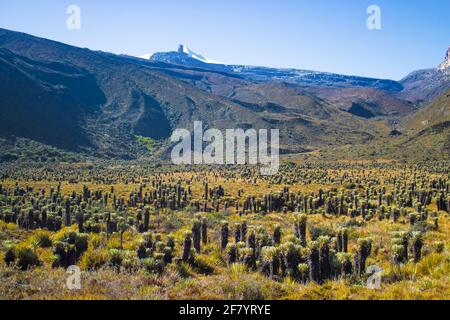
[435,265]
[94,259]
[43,239]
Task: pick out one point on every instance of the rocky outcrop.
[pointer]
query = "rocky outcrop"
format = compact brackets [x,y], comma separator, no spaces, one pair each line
[445,66]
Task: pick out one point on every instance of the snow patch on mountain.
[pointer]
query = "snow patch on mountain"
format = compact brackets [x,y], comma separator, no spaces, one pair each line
[196,56]
[146,56]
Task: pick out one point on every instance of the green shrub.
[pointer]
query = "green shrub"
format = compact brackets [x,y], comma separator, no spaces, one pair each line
[81,243]
[116,258]
[44,240]
[202,264]
[27,258]
[10,257]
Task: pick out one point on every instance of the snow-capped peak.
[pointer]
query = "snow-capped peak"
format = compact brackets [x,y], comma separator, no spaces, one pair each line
[192,54]
[185,50]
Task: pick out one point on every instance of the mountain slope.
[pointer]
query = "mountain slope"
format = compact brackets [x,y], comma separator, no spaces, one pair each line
[436,112]
[150,99]
[100,104]
[282,97]
[47,102]
[425,136]
[423,86]
[365,102]
[376,102]
[306,122]
[138,99]
[427,132]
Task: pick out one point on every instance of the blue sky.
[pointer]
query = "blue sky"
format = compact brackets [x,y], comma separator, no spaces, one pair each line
[323,35]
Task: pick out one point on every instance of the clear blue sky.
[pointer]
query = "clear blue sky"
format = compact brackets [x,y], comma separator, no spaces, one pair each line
[323,35]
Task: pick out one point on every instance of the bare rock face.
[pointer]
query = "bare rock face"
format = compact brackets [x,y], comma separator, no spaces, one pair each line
[423,86]
[445,66]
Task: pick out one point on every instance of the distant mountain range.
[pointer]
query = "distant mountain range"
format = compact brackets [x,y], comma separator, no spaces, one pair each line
[418,87]
[263,74]
[100,104]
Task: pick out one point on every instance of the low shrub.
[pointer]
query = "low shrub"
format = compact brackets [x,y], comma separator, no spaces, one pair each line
[27,258]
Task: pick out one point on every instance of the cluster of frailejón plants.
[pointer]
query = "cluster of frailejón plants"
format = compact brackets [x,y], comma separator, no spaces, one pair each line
[301,251]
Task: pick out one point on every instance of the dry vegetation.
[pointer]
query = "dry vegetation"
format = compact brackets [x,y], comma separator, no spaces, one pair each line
[310,232]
